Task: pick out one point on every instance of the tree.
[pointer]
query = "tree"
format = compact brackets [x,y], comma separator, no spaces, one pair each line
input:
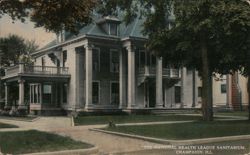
[207,35]
[53,15]
[14,47]
[218,31]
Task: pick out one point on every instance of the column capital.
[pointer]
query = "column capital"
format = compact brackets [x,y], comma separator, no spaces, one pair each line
[21,81]
[130,48]
[89,46]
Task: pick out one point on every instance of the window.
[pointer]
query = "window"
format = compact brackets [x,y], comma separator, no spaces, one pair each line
[177,94]
[35,93]
[113,30]
[114,61]
[65,90]
[64,57]
[47,93]
[199,91]
[96,60]
[95,92]
[223,88]
[142,59]
[115,93]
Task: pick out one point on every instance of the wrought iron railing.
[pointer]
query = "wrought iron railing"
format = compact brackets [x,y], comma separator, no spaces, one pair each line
[167,72]
[46,70]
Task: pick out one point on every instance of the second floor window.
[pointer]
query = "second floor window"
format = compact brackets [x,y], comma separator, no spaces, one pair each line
[96,60]
[114,61]
[142,58]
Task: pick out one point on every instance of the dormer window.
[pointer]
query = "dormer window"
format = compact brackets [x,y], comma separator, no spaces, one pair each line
[109,25]
[113,29]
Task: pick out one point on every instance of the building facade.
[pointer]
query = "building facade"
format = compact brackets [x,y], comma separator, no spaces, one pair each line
[107,68]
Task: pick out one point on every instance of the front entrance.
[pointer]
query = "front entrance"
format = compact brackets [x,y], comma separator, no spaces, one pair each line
[47,95]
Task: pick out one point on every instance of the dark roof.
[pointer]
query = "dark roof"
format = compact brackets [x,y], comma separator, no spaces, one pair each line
[133,29]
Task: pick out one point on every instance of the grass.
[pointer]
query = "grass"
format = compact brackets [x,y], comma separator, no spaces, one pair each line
[235,113]
[21,118]
[32,141]
[191,130]
[91,120]
[3,125]
[216,151]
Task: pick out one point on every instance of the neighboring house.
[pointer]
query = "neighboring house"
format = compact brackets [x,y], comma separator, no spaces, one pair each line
[106,68]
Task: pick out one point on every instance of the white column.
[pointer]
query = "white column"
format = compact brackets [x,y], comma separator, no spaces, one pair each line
[122,80]
[21,94]
[183,85]
[195,89]
[21,67]
[131,77]
[159,97]
[229,90]
[6,95]
[88,78]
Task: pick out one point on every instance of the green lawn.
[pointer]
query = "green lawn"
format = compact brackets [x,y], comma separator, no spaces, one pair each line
[236,113]
[3,125]
[216,151]
[192,130]
[90,120]
[25,118]
[32,141]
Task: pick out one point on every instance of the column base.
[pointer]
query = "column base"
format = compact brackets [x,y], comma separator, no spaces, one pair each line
[21,107]
[7,107]
[22,110]
[159,106]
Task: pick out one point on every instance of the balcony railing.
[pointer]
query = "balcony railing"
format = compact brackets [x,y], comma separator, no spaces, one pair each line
[167,72]
[46,70]
[12,70]
[41,70]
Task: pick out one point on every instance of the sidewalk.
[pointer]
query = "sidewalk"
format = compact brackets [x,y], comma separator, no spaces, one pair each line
[106,143]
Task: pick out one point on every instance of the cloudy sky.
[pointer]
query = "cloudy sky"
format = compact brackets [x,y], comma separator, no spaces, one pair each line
[25,30]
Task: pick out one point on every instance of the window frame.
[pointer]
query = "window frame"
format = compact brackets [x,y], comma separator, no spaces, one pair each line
[99,59]
[99,91]
[223,88]
[110,90]
[110,60]
[175,94]
[145,58]
[33,93]
[109,26]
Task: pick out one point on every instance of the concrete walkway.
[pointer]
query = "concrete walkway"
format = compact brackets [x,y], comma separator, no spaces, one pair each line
[107,143]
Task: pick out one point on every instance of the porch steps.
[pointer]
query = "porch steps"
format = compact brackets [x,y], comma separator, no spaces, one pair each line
[175,111]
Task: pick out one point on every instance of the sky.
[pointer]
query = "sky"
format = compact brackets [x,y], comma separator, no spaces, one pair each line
[26,30]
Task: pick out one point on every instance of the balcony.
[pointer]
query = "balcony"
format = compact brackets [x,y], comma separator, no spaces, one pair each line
[166,72]
[39,71]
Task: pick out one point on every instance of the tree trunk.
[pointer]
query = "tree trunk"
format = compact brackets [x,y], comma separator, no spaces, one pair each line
[248,90]
[207,105]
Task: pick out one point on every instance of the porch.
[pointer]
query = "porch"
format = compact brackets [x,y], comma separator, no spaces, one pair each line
[36,88]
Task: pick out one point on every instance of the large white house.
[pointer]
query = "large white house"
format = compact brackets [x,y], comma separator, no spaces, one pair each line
[106,68]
